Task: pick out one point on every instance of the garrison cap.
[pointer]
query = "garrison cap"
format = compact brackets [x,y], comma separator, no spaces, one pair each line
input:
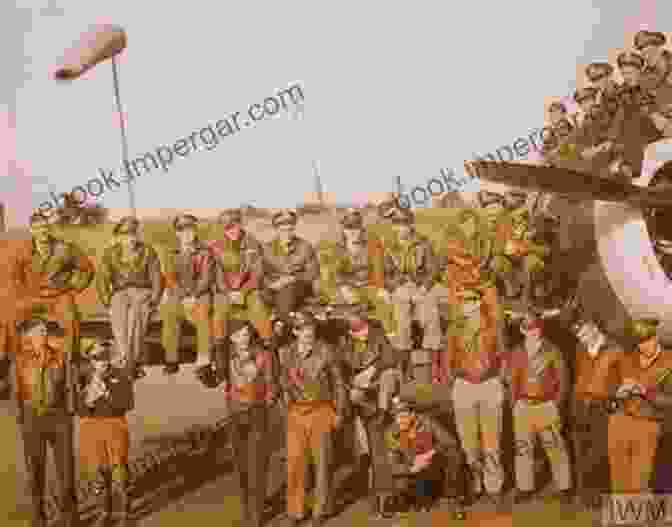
[487,198]
[644,39]
[353,219]
[234,325]
[386,208]
[284,217]
[629,58]
[185,221]
[557,106]
[585,93]
[100,349]
[26,326]
[301,319]
[229,216]
[401,216]
[126,225]
[38,217]
[598,70]
[400,405]
[515,198]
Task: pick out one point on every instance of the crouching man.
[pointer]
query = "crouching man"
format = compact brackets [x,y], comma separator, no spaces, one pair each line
[317,402]
[371,365]
[107,396]
[425,458]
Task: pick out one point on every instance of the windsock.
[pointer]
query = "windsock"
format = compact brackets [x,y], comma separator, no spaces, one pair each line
[100,43]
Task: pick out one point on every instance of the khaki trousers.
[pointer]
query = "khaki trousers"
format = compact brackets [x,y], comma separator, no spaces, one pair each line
[253,309]
[541,420]
[632,450]
[173,314]
[478,416]
[129,316]
[409,304]
[57,430]
[309,432]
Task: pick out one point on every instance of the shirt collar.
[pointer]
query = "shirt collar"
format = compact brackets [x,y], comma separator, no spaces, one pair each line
[649,361]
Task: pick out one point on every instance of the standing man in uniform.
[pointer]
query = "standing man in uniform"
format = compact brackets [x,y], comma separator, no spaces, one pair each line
[560,129]
[47,275]
[190,276]
[645,392]
[640,121]
[517,260]
[411,269]
[474,367]
[104,438]
[595,377]
[42,394]
[370,364]
[317,405]
[601,76]
[291,268]
[658,67]
[240,271]
[539,390]
[250,382]
[130,285]
[355,271]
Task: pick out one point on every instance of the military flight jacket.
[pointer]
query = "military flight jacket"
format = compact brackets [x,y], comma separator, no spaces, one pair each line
[115,275]
[543,377]
[654,77]
[316,378]
[240,263]
[29,383]
[277,259]
[66,272]
[359,353]
[632,128]
[656,378]
[484,363]
[190,274]
[355,272]
[416,262]
[119,401]
[425,434]
[254,381]
[596,376]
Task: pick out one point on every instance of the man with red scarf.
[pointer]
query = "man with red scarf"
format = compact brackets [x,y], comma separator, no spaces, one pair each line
[239,257]
[539,389]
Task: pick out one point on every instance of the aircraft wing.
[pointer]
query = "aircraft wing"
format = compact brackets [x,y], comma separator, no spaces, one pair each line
[576,185]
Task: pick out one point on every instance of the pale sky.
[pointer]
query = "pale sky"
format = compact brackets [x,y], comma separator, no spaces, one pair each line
[391,89]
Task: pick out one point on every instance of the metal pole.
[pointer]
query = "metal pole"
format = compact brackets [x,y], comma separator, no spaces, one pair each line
[122,126]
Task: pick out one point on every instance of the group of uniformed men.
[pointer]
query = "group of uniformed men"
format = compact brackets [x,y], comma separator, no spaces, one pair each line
[234,289]
[251,306]
[616,121]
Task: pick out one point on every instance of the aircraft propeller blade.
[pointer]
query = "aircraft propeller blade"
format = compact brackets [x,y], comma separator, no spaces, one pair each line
[576,185]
